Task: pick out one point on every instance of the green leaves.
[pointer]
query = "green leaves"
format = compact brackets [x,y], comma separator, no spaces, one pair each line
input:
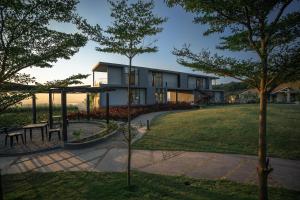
[262,27]
[26,39]
[243,70]
[132,24]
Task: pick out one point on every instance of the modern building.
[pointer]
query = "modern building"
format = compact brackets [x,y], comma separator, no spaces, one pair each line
[154,86]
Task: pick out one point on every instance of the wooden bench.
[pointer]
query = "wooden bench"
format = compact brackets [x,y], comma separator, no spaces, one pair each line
[12,135]
[54,130]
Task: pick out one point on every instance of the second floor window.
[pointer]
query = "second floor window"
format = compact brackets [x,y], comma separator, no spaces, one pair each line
[134,76]
[199,83]
[157,79]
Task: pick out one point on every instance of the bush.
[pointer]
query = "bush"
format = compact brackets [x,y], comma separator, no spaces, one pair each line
[120,112]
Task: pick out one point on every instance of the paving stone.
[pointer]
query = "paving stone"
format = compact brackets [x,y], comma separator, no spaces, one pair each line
[115,160]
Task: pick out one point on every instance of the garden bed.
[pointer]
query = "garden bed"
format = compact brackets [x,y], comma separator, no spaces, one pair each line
[95,138]
[121,112]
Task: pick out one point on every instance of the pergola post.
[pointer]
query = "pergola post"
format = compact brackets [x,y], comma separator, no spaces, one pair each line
[107,107]
[33,109]
[64,115]
[88,106]
[50,118]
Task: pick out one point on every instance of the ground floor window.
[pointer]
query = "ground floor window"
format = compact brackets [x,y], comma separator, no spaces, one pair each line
[160,95]
[138,96]
[185,96]
[181,96]
[171,96]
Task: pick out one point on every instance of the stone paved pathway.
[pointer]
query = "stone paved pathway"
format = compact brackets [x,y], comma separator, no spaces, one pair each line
[111,156]
[240,168]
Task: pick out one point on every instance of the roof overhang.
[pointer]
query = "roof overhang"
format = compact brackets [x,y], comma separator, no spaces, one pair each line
[102,67]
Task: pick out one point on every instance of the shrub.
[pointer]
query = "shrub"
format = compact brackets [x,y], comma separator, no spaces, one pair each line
[120,112]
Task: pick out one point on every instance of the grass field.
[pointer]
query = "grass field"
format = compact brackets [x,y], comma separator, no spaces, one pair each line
[229,129]
[108,186]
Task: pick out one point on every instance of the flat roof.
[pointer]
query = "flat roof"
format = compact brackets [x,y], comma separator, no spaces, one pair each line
[102,67]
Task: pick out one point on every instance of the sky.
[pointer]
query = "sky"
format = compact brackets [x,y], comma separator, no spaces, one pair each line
[178,30]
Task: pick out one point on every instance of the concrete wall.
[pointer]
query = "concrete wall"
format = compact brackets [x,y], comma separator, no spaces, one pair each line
[183,81]
[150,95]
[114,75]
[116,98]
[170,79]
[143,77]
[191,82]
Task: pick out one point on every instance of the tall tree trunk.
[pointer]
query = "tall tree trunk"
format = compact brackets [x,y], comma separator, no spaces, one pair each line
[129,126]
[262,148]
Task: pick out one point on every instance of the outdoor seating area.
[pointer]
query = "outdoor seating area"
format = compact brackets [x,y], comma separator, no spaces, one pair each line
[54,132]
[39,137]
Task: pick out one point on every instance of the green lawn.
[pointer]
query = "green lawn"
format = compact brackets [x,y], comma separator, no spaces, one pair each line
[229,129]
[92,185]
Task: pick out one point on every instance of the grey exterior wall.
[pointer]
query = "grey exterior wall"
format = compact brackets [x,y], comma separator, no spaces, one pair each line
[191,82]
[183,81]
[170,79]
[116,98]
[143,77]
[114,75]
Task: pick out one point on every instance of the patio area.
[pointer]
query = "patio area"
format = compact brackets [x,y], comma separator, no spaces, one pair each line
[85,129]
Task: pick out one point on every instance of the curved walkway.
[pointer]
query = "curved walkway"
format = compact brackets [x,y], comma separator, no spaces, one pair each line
[112,157]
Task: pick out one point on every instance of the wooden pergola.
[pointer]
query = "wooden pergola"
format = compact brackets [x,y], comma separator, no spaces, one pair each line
[63,91]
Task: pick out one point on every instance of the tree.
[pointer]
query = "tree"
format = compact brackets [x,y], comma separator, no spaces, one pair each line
[132,24]
[26,39]
[261,27]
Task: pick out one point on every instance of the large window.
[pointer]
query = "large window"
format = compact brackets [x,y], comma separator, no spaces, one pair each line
[159,96]
[134,76]
[157,80]
[138,96]
[200,83]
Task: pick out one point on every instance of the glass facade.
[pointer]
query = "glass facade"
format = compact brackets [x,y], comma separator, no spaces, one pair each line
[134,76]
[157,80]
[138,96]
[160,95]
[200,83]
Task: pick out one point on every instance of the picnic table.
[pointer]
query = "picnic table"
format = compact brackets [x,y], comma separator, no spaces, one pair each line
[40,126]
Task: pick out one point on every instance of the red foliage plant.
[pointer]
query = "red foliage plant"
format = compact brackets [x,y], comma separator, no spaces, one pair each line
[120,112]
